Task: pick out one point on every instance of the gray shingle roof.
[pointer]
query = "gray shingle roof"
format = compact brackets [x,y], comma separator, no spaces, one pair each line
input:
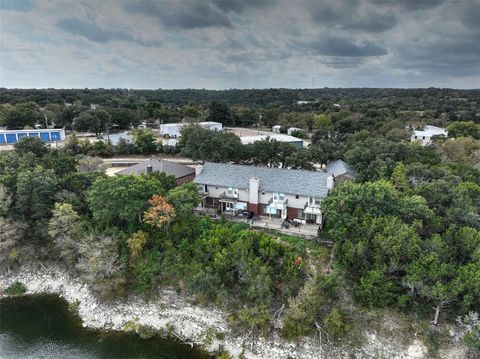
[298,182]
[339,167]
[170,168]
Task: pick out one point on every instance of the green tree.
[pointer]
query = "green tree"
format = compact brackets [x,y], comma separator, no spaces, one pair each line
[184,198]
[21,115]
[121,200]
[220,112]
[145,142]
[35,192]
[464,129]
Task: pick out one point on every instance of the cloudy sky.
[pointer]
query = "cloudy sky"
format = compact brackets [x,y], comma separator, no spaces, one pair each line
[239,44]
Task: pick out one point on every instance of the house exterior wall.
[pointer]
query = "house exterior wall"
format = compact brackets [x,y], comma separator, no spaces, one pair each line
[185,179]
[293,206]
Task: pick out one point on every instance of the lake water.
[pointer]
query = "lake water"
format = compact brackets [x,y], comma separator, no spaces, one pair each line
[42,327]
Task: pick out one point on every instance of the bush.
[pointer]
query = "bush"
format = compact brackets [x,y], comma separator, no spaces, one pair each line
[15,289]
[335,324]
[146,332]
[256,318]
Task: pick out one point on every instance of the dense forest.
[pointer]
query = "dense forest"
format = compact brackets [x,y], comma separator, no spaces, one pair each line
[406,233]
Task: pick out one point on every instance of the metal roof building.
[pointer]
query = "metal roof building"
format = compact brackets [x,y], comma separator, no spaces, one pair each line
[10,137]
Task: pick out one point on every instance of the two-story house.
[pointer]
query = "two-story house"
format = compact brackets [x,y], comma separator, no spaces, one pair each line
[273,192]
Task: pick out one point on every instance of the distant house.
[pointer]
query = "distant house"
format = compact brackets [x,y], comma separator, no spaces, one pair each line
[273,192]
[173,129]
[93,106]
[10,137]
[276,128]
[341,171]
[300,103]
[274,137]
[182,173]
[425,136]
[293,129]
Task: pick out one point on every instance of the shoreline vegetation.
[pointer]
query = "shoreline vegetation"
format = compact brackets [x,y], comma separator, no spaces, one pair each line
[173,316]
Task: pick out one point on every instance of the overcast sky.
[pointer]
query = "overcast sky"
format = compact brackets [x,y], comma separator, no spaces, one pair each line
[239,44]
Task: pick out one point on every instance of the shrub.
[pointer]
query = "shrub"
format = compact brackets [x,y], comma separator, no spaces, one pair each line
[335,324]
[146,331]
[257,317]
[15,289]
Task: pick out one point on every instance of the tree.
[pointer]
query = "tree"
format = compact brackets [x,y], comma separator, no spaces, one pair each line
[6,200]
[35,192]
[270,153]
[220,112]
[21,115]
[122,117]
[121,200]
[209,145]
[11,234]
[136,243]
[431,277]
[464,129]
[92,121]
[31,144]
[160,214]
[145,142]
[65,229]
[184,199]
[87,164]
[101,266]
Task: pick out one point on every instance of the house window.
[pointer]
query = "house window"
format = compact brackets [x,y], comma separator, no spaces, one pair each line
[230,190]
[210,201]
[297,196]
[300,213]
[278,196]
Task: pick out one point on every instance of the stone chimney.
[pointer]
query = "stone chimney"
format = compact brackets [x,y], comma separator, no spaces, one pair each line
[198,169]
[330,182]
[253,187]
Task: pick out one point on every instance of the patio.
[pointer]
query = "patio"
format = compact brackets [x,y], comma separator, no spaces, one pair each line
[273,225]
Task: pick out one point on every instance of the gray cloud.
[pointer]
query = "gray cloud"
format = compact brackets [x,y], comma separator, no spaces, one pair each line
[182,14]
[239,6]
[234,43]
[93,32]
[351,15]
[342,47]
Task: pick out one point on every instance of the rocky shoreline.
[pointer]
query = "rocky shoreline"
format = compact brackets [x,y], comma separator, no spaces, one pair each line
[188,322]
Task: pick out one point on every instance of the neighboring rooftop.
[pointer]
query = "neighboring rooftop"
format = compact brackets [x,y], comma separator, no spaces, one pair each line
[170,168]
[298,182]
[274,136]
[339,168]
[430,131]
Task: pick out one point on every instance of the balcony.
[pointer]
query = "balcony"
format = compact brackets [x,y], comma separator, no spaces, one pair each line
[312,208]
[228,197]
[277,204]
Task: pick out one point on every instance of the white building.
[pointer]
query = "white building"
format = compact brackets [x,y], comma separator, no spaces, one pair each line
[173,129]
[425,136]
[272,192]
[294,129]
[246,140]
[276,128]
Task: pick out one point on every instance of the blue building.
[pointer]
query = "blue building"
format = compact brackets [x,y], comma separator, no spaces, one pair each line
[10,137]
